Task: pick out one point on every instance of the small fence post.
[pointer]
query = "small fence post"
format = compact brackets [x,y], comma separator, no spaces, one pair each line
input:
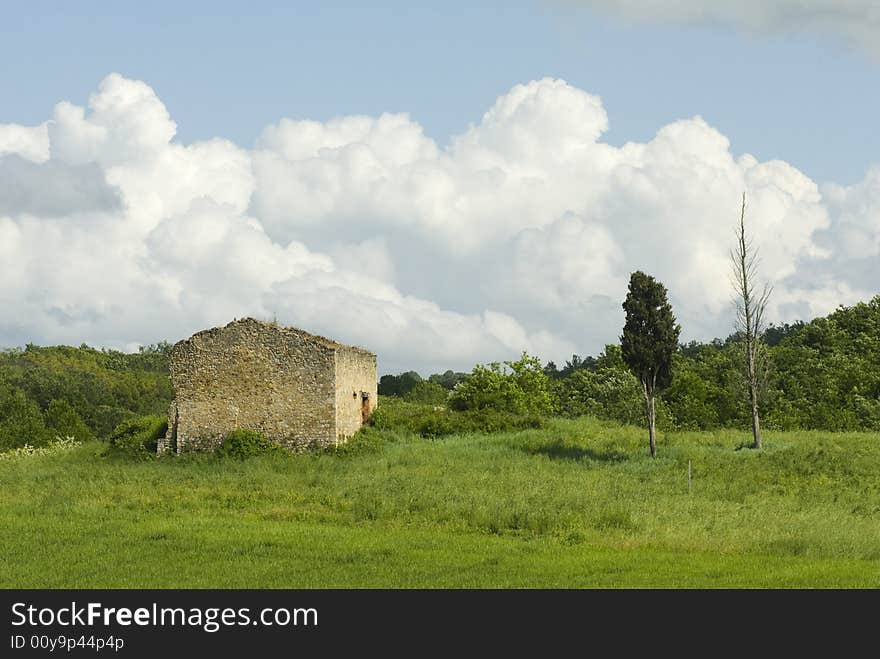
[689,476]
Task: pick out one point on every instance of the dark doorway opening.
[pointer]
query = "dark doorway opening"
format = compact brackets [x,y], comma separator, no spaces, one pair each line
[365,407]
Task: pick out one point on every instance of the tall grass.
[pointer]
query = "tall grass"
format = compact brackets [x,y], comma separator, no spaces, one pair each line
[576,503]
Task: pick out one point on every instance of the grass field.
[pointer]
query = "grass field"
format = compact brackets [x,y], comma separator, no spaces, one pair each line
[578,504]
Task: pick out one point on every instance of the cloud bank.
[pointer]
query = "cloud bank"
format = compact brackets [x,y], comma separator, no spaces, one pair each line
[855,22]
[520,234]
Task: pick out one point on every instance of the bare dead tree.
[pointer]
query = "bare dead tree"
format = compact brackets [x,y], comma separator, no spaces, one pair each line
[751,304]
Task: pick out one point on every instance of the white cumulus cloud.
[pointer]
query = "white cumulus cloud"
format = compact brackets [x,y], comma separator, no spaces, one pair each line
[30,142]
[520,234]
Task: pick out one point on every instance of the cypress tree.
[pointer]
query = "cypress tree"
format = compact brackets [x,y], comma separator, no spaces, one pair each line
[650,338]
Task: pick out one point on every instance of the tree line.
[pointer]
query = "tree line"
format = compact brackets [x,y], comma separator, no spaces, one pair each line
[63,391]
[823,375]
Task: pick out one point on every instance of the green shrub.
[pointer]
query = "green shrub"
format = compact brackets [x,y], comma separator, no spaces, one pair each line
[365,440]
[63,421]
[244,443]
[21,422]
[395,414]
[607,393]
[432,421]
[138,437]
[106,418]
[519,388]
[428,393]
[495,421]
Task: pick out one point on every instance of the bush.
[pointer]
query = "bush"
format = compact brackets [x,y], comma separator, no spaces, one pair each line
[21,422]
[63,421]
[428,393]
[431,421]
[607,393]
[365,441]
[138,437]
[243,443]
[519,388]
[489,420]
[106,417]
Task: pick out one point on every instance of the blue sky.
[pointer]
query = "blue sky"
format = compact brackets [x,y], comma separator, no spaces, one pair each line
[230,68]
[444,184]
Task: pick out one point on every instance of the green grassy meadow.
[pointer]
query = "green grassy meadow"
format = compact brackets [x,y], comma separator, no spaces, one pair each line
[576,504]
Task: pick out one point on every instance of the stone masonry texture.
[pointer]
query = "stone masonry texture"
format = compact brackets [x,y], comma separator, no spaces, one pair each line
[300,390]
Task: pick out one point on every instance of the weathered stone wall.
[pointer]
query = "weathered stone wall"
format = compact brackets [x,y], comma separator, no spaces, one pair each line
[252,374]
[356,389]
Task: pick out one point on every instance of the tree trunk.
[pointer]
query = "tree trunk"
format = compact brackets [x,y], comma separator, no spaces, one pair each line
[756,422]
[752,372]
[756,426]
[649,417]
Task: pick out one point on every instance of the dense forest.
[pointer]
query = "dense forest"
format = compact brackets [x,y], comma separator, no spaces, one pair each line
[823,374]
[78,392]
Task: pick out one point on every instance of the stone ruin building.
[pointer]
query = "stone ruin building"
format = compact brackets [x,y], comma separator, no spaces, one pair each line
[300,390]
